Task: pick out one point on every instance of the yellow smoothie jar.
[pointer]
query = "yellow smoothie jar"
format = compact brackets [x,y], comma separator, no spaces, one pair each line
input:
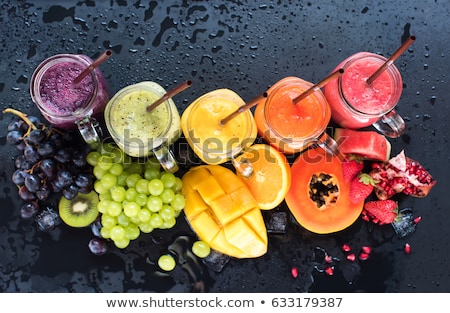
[211,141]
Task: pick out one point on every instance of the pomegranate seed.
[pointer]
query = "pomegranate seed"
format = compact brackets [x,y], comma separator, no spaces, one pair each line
[366,249]
[294,272]
[351,257]
[346,248]
[328,259]
[363,256]
[417,219]
[329,271]
[407,248]
[365,218]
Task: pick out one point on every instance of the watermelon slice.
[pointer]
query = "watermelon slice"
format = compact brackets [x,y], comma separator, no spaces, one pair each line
[369,145]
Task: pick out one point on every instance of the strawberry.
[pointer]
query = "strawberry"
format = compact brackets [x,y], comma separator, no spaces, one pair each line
[351,166]
[381,211]
[361,187]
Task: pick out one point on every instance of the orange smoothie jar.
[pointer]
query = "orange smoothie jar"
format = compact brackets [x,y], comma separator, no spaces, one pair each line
[290,127]
[212,142]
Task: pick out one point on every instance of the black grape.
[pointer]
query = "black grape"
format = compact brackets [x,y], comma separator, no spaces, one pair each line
[33,182]
[14,137]
[98,246]
[37,136]
[70,192]
[49,167]
[18,177]
[29,210]
[46,149]
[25,194]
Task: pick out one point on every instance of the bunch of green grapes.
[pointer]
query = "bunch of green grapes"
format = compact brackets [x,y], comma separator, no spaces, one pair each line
[134,196]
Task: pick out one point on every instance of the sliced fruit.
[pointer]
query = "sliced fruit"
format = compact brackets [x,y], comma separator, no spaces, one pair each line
[81,211]
[271,176]
[367,144]
[223,212]
[318,196]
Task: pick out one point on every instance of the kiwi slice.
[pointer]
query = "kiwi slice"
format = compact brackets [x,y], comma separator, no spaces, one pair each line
[81,211]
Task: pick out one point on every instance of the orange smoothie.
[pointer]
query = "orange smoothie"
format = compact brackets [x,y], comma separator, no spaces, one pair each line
[292,127]
[212,142]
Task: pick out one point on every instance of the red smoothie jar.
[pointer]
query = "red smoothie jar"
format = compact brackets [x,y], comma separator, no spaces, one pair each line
[356,104]
[66,104]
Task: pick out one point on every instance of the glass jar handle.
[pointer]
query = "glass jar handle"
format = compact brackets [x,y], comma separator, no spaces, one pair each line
[330,146]
[90,130]
[391,125]
[166,158]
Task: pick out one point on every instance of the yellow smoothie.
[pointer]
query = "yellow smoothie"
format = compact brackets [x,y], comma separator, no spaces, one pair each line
[136,131]
[212,142]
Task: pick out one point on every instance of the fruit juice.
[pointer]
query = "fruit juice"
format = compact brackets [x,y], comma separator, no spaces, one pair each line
[355,104]
[292,127]
[136,131]
[62,102]
[212,142]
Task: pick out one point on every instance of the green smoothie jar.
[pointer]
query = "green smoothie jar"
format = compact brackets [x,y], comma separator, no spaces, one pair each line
[140,133]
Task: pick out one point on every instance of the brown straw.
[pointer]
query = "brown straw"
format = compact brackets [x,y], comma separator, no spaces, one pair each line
[102,58]
[405,45]
[319,85]
[243,108]
[170,94]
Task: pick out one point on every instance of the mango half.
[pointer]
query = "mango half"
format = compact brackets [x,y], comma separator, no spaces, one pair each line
[222,212]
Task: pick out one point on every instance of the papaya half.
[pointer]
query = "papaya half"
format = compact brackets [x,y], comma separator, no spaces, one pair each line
[318,197]
[222,211]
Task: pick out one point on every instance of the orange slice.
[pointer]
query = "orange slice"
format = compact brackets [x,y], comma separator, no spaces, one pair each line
[271,176]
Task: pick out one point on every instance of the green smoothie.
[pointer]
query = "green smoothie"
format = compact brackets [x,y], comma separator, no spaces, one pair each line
[136,131]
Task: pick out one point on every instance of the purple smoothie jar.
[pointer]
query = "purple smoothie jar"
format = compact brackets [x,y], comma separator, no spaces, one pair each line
[66,104]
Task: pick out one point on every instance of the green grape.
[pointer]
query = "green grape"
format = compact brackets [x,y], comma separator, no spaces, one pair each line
[166,262]
[142,186]
[103,205]
[99,188]
[155,187]
[98,172]
[168,179]
[178,185]
[127,161]
[114,208]
[131,209]
[108,221]
[132,179]
[151,173]
[108,180]
[106,148]
[135,168]
[117,232]
[154,203]
[156,220]
[152,163]
[121,243]
[105,232]
[116,169]
[144,215]
[92,158]
[166,212]
[201,249]
[167,196]
[141,199]
[118,193]
[123,219]
[146,227]
[104,196]
[167,224]
[104,162]
[131,194]
[135,219]
[132,232]
[117,155]
[122,178]
[178,202]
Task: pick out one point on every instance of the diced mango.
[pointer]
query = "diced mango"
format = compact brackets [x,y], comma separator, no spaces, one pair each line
[223,212]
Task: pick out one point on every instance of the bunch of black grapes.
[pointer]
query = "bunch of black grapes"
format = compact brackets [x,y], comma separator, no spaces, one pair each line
[52,163]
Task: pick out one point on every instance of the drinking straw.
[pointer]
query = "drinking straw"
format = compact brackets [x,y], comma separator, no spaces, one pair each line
[243,108]
[405,45]
[170,94]
[102,58]
[319,85]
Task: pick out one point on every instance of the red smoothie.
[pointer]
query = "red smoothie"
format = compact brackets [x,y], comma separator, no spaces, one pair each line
[355,104]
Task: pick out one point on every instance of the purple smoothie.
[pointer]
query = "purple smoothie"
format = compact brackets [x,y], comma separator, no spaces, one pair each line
[60,100]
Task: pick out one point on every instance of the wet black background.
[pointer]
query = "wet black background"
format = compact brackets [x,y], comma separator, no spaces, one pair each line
[245,46]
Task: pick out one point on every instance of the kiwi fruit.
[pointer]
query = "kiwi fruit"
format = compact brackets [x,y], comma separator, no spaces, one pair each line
[81,211]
